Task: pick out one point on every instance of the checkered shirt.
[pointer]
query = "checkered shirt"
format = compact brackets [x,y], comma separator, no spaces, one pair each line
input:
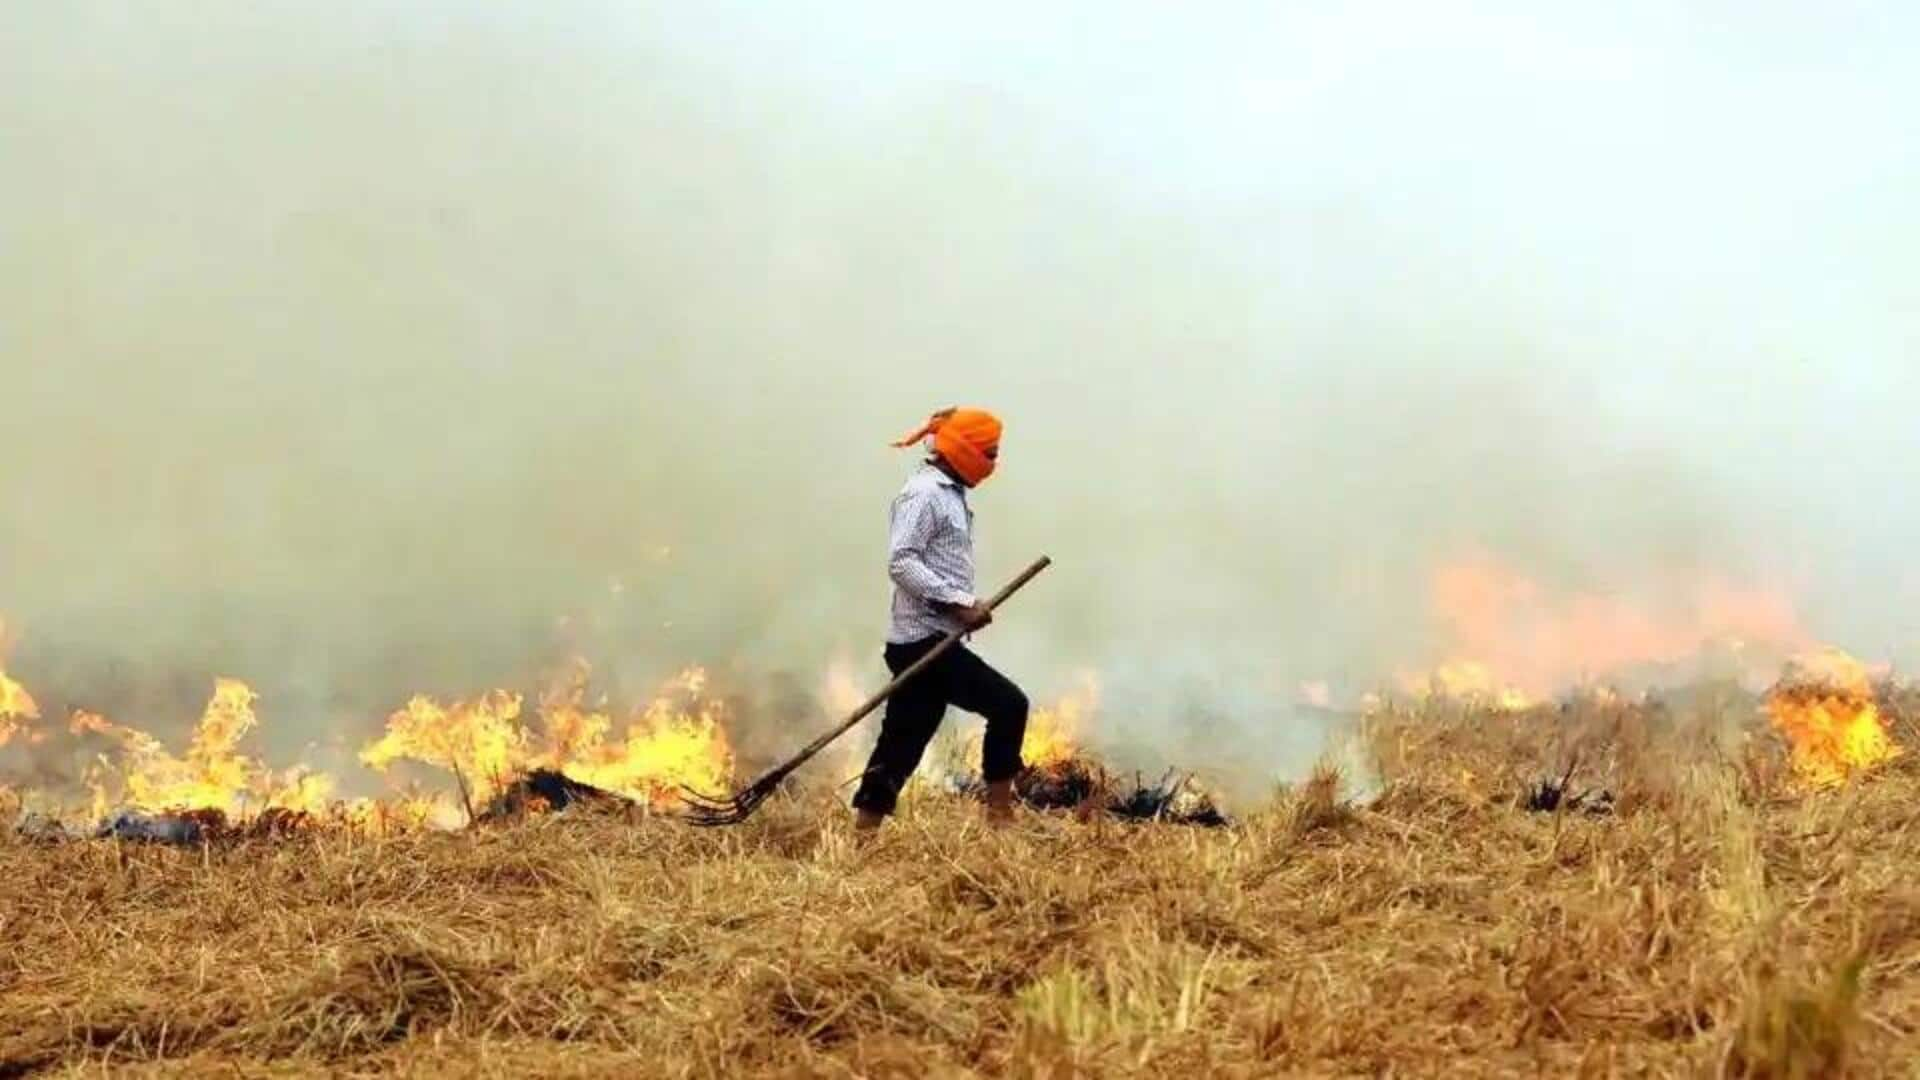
[929,555]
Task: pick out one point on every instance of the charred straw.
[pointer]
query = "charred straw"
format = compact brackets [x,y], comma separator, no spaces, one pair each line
[1081,784]
[546,790]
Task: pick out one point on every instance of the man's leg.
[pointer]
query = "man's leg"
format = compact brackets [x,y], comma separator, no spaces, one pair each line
[975,686]
[913,715]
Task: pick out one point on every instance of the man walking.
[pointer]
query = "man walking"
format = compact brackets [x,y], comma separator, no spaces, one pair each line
[930,559]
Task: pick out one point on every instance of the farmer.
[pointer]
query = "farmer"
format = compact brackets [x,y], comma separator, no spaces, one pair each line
[930,559]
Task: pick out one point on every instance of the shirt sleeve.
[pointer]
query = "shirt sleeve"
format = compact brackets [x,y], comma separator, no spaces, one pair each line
[916,520]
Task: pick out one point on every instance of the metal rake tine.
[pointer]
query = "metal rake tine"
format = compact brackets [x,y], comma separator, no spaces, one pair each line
[702,799]
[713,813]
[748,796]
[732,815]
[703,809]
[753,799]
[719,815]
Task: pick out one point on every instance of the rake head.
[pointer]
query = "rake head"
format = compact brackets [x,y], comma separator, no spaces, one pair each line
[707,810]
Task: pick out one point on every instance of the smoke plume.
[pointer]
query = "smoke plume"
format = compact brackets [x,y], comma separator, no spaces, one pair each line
[356,350]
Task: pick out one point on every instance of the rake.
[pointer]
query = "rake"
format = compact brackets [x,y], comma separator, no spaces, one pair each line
[709,810]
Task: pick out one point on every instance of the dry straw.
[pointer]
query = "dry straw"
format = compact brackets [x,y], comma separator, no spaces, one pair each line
[1715,922]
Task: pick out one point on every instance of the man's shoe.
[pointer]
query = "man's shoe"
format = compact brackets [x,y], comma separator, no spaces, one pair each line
[999,809]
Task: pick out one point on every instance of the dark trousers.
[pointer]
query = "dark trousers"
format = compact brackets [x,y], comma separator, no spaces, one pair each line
[914,713]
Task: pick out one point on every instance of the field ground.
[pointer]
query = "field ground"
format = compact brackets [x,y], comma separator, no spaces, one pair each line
[1718,921]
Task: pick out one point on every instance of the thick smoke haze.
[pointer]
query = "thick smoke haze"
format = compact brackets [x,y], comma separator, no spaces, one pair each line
[359,349]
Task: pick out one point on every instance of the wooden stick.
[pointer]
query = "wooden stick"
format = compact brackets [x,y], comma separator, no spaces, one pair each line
[466,800]
[924,662]
[773,777]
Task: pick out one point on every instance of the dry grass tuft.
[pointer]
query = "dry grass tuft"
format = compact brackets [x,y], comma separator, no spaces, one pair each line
[1793,1032]
[386,987]
[1433,926]
[1317,805]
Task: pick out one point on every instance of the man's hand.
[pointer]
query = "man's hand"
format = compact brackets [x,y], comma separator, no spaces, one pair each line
[973,616]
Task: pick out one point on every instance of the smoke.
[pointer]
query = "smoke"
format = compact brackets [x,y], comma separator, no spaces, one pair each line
[356,350]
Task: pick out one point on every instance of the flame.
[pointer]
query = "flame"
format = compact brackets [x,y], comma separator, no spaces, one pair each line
[404,814]
[679,740]
[1052,730]
[1468,682]
[212,776]
[1542,640]
[17,708]
[1825,708]
[479,741]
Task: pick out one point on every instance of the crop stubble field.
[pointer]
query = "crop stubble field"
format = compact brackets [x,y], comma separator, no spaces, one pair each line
[1720,918]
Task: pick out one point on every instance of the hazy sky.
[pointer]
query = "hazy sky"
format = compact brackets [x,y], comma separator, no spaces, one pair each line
[346,347]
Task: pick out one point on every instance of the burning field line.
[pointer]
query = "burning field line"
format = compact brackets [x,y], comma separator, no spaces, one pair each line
[503,759]
[1721,918]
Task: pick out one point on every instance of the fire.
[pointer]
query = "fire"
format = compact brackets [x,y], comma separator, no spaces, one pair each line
[17,708]
[214,775]
[1543,640]
[404,814]
[1825,708]
[679,740]
[1468,682]
[479,741]
[1052,730]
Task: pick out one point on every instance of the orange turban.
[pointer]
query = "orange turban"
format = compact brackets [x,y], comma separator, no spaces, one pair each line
[964,439]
